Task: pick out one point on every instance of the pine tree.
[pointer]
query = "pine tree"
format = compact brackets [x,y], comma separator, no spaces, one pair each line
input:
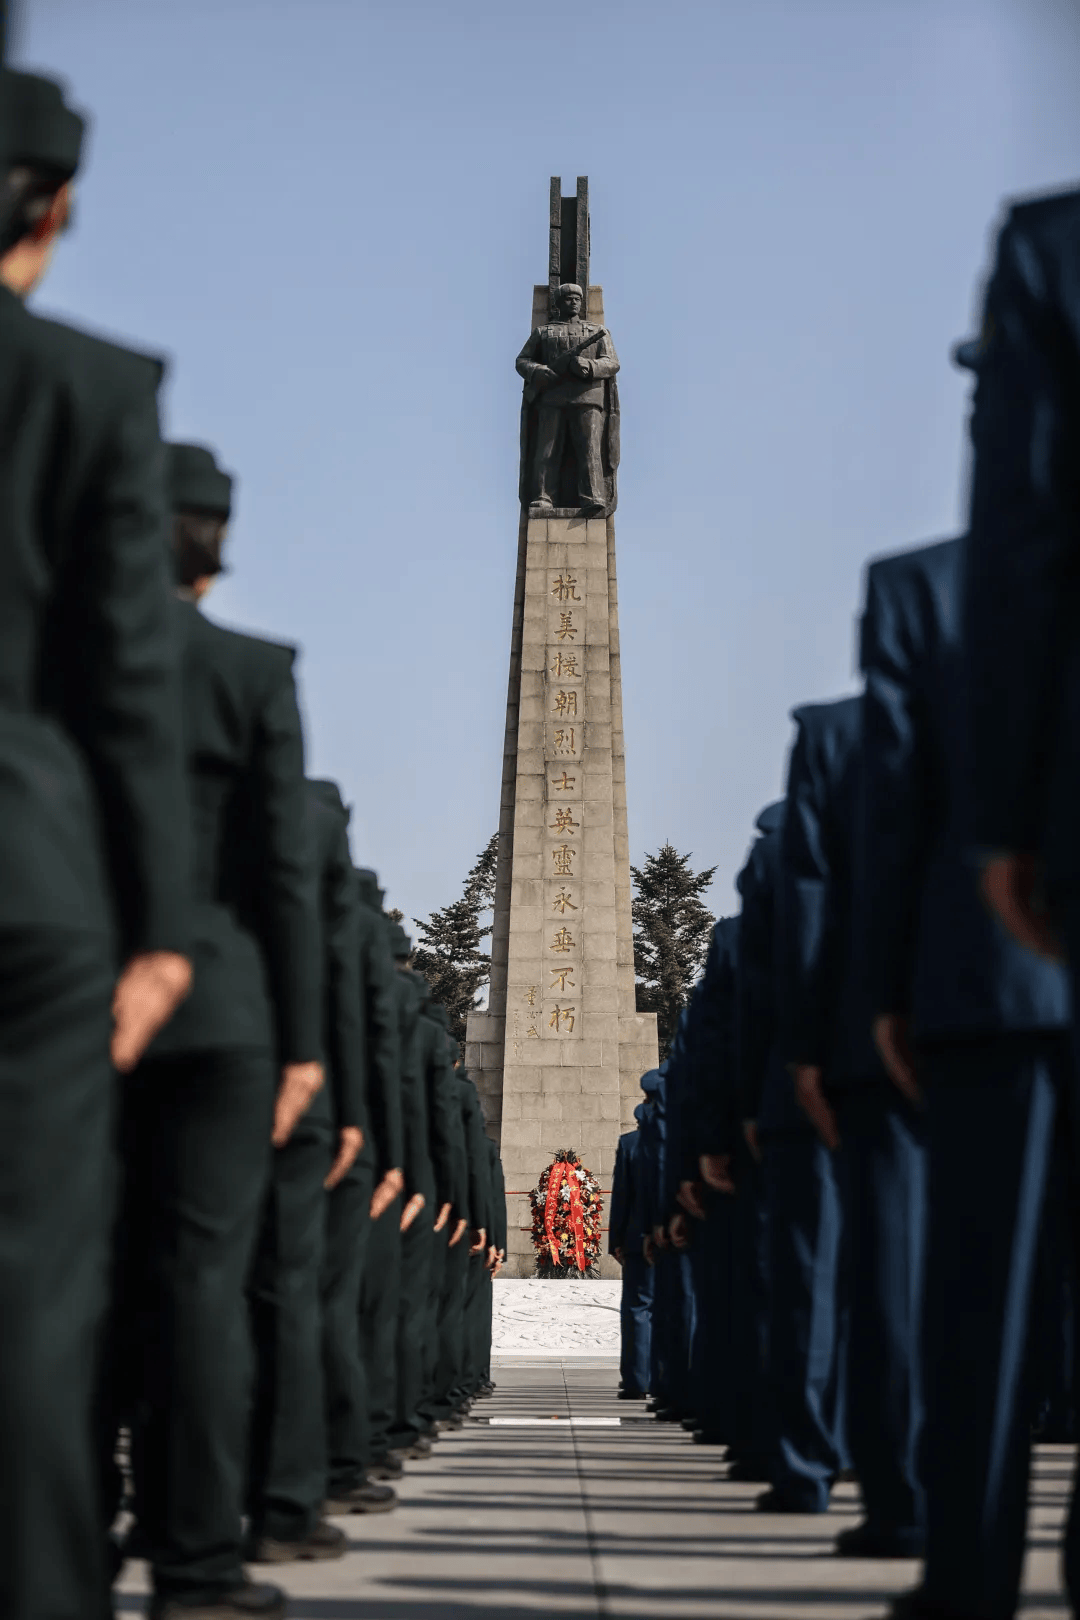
[450,951]
[672,928]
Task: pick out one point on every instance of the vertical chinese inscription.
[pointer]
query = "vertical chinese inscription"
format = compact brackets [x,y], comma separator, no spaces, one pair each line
[564,707]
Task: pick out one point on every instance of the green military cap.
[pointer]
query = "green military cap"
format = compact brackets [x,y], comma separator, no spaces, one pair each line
[367,886]
[400,943]
[196,482]
[40,130]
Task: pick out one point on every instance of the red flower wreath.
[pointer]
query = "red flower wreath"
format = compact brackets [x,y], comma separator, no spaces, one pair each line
[567,1210]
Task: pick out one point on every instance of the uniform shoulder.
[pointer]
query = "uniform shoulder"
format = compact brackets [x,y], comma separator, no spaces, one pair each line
[817,720]
[905,569]
[273,657]
[1036,215]
[64,348]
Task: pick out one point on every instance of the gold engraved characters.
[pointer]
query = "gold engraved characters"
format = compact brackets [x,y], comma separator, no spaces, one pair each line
[563,858]
[567,628]
[561,1016]
[563,903]
[565,665]
[530,996]
[564,821]
[560,979]
[564,589]
[565,704]
[565,785]
[563,943]
[566,741]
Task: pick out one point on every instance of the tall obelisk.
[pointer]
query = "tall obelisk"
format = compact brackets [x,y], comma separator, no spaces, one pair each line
[560,1051]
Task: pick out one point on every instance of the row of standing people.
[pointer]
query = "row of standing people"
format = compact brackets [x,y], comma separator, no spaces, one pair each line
[848,1217]
[250,1212]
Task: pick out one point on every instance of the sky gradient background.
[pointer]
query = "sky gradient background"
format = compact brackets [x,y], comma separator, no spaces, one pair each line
[331,213]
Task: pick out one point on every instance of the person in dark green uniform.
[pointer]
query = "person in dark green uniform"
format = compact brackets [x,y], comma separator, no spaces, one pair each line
[288,1452]
[416,1316]
[420,1189]
[482,1251]
[200,1112]
[93,857]
[449,1401]
[355,1212]
[497,1241]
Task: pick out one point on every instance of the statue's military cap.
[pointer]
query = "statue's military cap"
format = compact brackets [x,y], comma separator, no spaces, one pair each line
[196,482]
[400,944]
[38,128]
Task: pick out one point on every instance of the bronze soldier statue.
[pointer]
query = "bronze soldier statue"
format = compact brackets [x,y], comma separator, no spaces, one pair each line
[571,404]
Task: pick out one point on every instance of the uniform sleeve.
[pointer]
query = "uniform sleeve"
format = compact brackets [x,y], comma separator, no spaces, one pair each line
[617,1210]
[122,702]
[417,1163]
[529,358]
[289,906]
[713,1106]
[808,937]
[377,976]
[475,1137]
[606,361]
[346,1045]
[892,839]
[754,985]
[444,1127]
[498,1200]
[1023,546]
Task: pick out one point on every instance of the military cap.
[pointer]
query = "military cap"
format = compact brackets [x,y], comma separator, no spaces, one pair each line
[196,482]
[367,887]
[967,354]
[772,817]
[439,1013]
[400,943]
[39,129]
[650,1081]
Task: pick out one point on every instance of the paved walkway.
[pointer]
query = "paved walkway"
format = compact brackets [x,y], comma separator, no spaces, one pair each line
[605,1513]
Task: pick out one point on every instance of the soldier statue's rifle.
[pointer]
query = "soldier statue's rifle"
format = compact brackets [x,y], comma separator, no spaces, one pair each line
[533,390]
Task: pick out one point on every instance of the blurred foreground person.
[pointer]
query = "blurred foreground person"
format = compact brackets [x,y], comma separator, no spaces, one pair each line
[993,1062]
[93,858]
[234,1072]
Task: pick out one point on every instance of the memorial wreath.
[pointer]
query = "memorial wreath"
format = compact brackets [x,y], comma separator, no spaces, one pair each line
[567,1209]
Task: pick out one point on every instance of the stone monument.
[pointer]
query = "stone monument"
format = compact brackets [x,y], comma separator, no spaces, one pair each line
[560,1050]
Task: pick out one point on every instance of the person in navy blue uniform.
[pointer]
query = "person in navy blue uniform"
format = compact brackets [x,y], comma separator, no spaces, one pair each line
[704,1130]
[802,1204]
[753,1444]
[876,1133]
[635,1309]
[973,1023]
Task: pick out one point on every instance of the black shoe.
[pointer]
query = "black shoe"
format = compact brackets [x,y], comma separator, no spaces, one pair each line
[914,1606]
[419,1449]
[863,1541]
[846,1476]
[265,1602]
[451,1422]
[706,1437]
[689,1424]
[778,1501]
[668,1414]
[387,1467]
[324,1541]
[748,1472]
[630,1395]
[366,1498]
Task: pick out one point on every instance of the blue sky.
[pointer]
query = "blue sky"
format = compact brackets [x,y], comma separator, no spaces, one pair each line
[331,213]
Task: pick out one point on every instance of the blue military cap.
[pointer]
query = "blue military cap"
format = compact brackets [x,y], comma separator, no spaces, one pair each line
[650,1081]
[968,353]
[640,1112]
[771,819]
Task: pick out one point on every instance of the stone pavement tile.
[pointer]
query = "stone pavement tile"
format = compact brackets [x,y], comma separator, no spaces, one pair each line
[629,1522]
